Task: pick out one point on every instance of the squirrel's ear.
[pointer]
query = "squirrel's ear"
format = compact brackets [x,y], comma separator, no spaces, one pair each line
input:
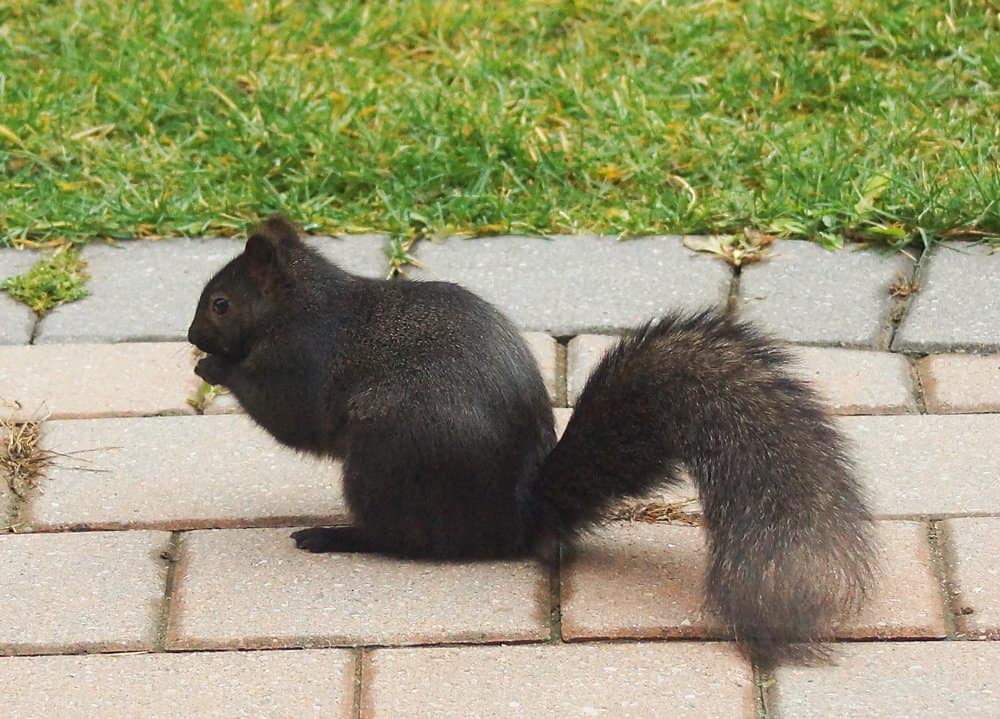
[280,231]
[264,261]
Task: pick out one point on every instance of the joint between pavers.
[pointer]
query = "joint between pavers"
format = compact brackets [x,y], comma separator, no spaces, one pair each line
[562,390]
[16,511]
[918,385]
[171,555]
[555,597]
[900,306]
[360,659]
[733,299]
[931,516]
[940,562]
[34,329]
[763,680]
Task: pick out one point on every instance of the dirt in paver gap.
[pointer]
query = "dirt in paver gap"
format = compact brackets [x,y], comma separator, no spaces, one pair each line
[762,682]
[901,291]
[942,562]
[562,381]
[918,384]
[554,563]
[359,677]
[170,555]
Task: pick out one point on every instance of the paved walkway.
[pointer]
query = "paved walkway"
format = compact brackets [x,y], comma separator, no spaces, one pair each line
[157,545]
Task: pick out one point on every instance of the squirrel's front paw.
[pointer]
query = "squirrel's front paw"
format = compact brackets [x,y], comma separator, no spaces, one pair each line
[213,369]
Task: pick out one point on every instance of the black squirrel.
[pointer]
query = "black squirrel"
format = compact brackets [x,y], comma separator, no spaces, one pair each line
[430,396]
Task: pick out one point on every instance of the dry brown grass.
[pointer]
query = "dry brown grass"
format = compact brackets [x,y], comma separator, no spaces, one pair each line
[22,459]
[684,511]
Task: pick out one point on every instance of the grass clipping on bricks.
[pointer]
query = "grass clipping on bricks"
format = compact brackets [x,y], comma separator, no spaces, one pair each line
[684,511]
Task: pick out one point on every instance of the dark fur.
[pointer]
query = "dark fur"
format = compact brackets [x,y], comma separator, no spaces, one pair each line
[435,404]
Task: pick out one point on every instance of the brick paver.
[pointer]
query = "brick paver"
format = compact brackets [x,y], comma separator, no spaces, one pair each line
[61,381]
[957,305]
[95,591]
[148,291]
[928,465]
[543,347]
[636,580]
[858,381]
[179,473]
[358,254]
[253,588]
[582,355]
[893,681]
[562,415]
[975,546]
[17,321]
[166,686]
[849,381]
[569,285]
[542,682]
[955,383]
[120,467]
[804,293]
[645,580]
[908,602]
[138,291]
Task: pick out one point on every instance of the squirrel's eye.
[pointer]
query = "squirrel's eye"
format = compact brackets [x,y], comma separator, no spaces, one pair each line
[220,305]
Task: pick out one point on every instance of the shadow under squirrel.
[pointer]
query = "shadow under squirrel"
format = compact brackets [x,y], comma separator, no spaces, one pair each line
[430,396]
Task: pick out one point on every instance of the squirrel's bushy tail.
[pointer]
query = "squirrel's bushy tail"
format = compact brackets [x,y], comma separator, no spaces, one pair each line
[789,536]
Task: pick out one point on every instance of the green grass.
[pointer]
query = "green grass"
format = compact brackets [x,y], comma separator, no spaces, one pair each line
[871,120]
[52,281]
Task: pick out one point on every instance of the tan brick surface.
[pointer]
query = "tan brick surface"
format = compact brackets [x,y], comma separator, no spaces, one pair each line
[955,383]
[637,681]
[858,381]
[636,580]
[893,681]
[975,547]
[849,381]
[928,465]
[253,588]
[96,591]
[179,473]
[645,580]
[562,415]
[907,602]
[166,686]
[582,355]
[96,380]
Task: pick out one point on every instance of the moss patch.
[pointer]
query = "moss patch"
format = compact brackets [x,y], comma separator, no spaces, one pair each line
[52,281]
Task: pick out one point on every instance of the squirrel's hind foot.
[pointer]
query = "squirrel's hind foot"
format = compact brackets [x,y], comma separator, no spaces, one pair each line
[331,539]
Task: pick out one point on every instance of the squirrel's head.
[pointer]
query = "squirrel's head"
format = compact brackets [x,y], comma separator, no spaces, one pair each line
[237,302]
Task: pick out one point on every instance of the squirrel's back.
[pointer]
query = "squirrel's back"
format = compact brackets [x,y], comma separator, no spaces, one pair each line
[453,416]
